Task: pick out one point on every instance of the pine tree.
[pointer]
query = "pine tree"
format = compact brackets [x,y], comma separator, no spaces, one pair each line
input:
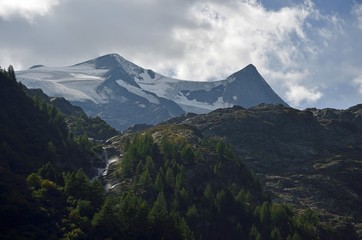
[159,183]
[76,184]
[254,233]
[180,180]
[159,210]
[150,165]
[170,178]
[208,193]
[140,167]
[11,73]
[275,234]
[187,155]
[145,178]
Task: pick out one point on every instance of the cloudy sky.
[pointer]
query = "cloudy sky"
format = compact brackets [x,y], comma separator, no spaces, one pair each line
[309,51]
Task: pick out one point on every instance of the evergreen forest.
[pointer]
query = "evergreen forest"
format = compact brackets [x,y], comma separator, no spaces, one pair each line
[172,182]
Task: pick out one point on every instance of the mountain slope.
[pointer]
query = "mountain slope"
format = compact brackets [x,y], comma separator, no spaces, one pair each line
[78,123]
[124,94]
[310,159]
[179,172]
[30,136]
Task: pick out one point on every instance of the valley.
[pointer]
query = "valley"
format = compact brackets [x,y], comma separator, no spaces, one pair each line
[267,171]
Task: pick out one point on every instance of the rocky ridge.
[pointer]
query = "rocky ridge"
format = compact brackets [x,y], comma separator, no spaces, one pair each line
[307,158]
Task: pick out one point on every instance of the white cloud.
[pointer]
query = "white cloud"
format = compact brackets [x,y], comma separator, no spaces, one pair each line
[357,12]
[27,9]
[298,95]
[295,93]
[11,57]
[189,39]
[358,82]
[231,34]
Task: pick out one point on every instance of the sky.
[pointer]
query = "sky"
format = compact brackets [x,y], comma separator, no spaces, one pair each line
[309,51]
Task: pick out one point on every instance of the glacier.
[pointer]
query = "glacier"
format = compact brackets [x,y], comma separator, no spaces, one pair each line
[124,94]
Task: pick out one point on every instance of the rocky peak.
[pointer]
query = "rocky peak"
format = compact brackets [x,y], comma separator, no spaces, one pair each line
[251,88]
[249,70]
[110,61]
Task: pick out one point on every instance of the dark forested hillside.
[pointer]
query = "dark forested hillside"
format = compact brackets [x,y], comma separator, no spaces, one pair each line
[180,176]
[77,121]
[31,135]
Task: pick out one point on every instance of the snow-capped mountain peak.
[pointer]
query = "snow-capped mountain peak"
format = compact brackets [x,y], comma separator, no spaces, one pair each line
[111,61]
[123,93]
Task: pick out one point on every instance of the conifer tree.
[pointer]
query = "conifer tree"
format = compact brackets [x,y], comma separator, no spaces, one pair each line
[159,183]
[145,178]
[170,177]
[159,210]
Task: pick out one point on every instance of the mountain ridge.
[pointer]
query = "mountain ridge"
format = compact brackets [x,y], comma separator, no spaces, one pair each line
[118,90]
[304,157]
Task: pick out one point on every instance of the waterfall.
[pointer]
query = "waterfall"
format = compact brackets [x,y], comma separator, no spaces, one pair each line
[105,154]
[109,159]
[103,171]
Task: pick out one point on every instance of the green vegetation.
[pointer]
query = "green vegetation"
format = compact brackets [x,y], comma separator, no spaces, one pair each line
[95,127]
[173,183]
[31,135]
[203,185]
[77,122]
[171,197]
[69,201]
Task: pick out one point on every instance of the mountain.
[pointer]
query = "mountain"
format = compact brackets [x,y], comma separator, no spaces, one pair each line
[78,123]
[180,179]
[124,94]
[173,182]
[309,159]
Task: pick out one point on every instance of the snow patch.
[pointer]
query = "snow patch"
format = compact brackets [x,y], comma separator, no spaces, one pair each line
[138,91]
[80,76]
